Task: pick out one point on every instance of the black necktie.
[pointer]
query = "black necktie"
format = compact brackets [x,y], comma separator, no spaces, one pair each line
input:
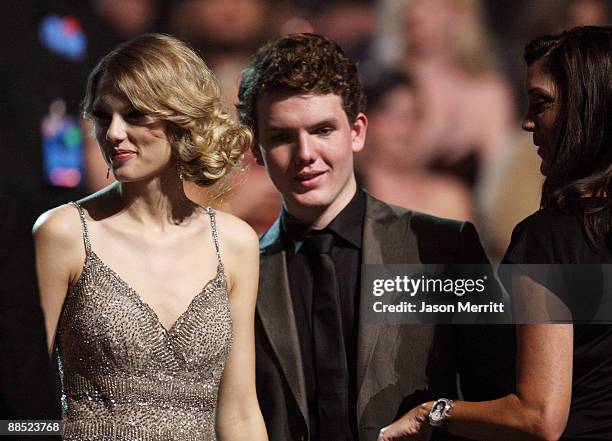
[329,354]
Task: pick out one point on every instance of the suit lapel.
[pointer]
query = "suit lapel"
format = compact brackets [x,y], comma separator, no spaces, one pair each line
[275,311]
[386,239]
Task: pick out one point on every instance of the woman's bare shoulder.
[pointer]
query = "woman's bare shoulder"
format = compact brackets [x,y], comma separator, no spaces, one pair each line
[239,246]
[58,236]
[60,225]
[234,233]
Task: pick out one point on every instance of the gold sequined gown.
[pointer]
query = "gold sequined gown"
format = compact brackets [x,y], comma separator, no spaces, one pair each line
[124,376]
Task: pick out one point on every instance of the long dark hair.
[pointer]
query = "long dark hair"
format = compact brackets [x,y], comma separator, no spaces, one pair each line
[580,63]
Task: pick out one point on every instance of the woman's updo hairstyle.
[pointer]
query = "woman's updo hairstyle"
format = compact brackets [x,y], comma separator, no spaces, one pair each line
[163,77]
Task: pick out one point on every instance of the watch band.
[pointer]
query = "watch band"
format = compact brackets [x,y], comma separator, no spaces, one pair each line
[439,412]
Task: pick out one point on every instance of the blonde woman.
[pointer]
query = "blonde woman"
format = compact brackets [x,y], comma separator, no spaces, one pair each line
[148,296]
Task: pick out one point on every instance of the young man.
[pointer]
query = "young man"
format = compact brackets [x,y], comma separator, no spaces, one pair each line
[323,372]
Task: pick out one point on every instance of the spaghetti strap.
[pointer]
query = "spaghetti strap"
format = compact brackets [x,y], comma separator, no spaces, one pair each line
[215,234]
[84,228]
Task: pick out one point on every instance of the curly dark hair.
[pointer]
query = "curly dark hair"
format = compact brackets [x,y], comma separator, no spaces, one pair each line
[579,61]
[300,63]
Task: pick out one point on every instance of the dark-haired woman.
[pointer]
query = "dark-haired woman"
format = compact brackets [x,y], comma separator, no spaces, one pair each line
[564,371]
[150,297]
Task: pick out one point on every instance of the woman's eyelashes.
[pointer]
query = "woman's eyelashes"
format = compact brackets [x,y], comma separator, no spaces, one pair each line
[540,103]
[132,115]
[136,115]
[100,115]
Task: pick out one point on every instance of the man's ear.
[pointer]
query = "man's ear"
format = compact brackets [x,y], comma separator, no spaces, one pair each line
[256,150]
[358,132]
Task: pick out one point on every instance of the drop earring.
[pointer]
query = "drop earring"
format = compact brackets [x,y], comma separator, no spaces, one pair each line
[107,172]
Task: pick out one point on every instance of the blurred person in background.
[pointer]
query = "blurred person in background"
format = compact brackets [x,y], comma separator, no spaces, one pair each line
[564,371]
[224,32]
[517,168]
[254,198]
[532,18]
[393,167]
[111,22]
[141,356]
[352,24]
[467,106]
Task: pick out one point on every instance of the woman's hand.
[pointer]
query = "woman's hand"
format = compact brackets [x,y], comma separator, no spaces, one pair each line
[412,426]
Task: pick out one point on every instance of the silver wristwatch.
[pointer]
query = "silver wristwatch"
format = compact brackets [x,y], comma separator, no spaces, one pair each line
[440,411]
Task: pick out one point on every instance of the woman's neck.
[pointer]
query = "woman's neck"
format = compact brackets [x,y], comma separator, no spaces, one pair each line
[161,200]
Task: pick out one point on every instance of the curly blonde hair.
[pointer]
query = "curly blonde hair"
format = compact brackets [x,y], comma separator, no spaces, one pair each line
[163,77]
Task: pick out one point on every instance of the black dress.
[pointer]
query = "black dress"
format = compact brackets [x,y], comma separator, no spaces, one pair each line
[552,236]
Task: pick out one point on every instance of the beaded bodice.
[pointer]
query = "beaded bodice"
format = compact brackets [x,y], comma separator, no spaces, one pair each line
[125,376]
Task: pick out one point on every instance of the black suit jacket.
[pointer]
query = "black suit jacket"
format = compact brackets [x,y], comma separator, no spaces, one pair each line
[398,367]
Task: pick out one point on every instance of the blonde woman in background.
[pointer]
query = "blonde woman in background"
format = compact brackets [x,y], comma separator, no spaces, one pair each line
[468,109]
[149,297]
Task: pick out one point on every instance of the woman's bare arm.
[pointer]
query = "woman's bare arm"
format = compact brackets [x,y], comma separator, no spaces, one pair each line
[238,413]
[539,408]
[59,259]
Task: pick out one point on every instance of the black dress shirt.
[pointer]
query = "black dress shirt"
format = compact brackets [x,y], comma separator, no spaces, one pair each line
[347,228]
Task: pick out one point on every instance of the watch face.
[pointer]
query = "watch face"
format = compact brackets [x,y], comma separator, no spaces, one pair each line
[437,411]
[436,416]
